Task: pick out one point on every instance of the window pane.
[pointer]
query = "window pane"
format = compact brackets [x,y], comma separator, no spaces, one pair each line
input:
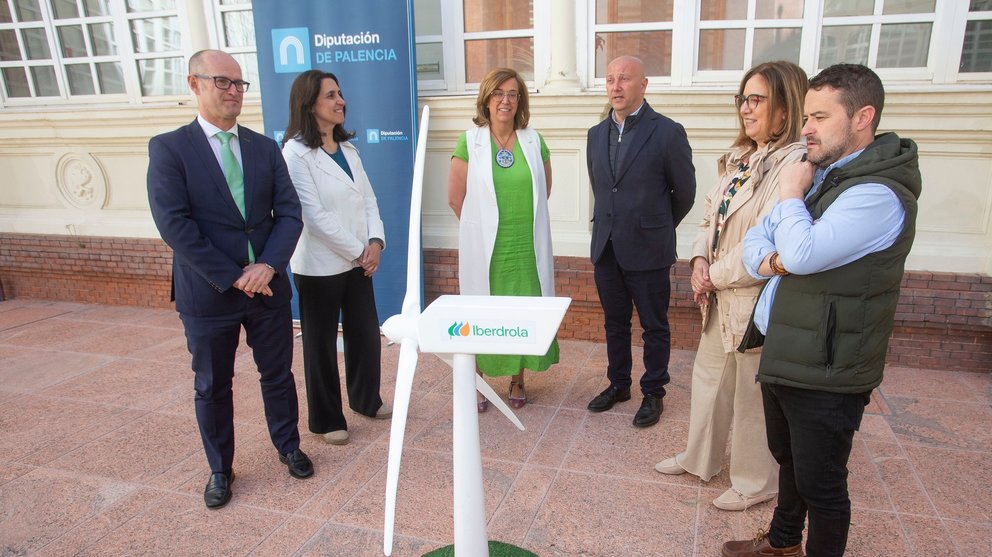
[635,11]
[776,44]
[8,45]
[427,16]
[482,56]
[721,49]
[654,48]
[249,70]
[722,10]
[27,10]
[44,81]
[102,39]
[158,34]
[150,5]
[65,9]
[97,7]
[976,55]
[162,76]
[5,15]
[980,6]
[845,43]
[908,6]
[498,15]
[36,44]
[776,9]
[80,79]
[111,77]
[16,81]
[904,45]
[239,29]
[71,37]
[832,8]
[430,61]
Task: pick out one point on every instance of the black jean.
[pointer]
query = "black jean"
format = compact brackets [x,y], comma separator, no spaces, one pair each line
[810,434]
[621,290]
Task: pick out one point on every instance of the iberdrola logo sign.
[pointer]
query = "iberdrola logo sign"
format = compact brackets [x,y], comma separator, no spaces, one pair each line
[500,332]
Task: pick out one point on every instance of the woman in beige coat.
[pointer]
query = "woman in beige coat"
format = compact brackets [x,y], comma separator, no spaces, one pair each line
[724,392]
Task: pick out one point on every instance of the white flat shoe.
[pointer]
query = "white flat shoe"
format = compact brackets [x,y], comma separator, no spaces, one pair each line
[339,437]
[669,466]
[733,500]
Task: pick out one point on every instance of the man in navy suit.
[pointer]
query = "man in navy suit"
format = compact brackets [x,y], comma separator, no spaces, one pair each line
[644,183]
[222,199]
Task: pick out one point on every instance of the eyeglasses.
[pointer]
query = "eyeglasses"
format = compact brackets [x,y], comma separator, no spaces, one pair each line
[752,100]
[225,83]
[500,94]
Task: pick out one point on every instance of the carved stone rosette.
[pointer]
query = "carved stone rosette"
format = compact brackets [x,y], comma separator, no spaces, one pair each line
[81,181]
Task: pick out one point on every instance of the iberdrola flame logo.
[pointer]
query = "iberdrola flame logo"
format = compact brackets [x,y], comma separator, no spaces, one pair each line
[459,329]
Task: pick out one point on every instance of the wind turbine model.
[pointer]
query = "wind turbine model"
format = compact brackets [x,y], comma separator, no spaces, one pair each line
[461,327]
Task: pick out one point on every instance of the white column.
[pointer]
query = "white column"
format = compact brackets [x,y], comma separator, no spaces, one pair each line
[470,500]
[198,22]
[562,76]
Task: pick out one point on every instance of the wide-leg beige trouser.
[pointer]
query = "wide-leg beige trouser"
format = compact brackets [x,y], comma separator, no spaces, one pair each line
[724,393]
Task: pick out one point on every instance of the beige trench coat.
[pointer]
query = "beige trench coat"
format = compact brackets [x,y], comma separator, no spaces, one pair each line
[737,291]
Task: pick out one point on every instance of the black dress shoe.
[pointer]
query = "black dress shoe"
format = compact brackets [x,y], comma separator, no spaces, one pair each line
[218,490]
[650,411]
[299,464]
[606,399]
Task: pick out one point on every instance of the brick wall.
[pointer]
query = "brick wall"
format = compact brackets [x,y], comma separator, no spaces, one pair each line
[119,271]
[944,320]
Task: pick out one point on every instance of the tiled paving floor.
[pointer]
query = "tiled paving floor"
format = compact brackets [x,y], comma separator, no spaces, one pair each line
[99,455]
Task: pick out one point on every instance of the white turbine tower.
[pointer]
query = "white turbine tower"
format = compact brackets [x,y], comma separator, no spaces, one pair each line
[459,327]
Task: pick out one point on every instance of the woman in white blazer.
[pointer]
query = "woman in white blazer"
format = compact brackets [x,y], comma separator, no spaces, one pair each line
[498,187]
[336,257]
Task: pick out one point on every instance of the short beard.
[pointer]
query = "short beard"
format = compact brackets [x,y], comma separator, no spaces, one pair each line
[826,158]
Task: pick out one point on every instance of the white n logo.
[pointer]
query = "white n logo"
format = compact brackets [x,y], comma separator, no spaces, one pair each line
[284,46]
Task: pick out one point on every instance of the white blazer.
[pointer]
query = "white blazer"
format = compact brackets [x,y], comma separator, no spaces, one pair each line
[339,214]
[480,214]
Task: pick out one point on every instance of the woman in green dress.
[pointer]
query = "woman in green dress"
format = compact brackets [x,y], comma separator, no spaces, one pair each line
[498,187]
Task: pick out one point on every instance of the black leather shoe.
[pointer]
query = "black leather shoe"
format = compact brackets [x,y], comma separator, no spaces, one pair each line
[299,464]
[606,399]
[650,411]
[218,490]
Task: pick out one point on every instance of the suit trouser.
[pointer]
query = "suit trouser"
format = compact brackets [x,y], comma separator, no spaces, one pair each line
[724,392]
[213,342]
[322,299]
[620,291]
[810,434]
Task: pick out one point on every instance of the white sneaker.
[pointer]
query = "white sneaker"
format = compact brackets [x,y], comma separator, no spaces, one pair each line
[339,437]
[733,500]
[669,466]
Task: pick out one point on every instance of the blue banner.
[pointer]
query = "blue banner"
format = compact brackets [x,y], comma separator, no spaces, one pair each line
[369,46]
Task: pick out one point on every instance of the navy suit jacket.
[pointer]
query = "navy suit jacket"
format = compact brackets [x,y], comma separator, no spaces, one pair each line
[652,190]
[196,215]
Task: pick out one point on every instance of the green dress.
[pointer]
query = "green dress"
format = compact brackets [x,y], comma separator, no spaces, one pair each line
[513,267]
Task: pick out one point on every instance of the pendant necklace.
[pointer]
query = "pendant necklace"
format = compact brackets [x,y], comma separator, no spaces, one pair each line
[504,157]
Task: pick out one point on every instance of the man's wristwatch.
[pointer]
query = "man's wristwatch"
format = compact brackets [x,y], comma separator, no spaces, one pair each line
[382,244]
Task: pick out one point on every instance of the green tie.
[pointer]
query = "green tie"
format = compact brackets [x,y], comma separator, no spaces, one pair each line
[235,179]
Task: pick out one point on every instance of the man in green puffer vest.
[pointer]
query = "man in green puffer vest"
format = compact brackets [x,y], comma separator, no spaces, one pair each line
[835,247]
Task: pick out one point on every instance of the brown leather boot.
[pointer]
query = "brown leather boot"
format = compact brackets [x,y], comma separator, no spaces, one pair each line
[760,547]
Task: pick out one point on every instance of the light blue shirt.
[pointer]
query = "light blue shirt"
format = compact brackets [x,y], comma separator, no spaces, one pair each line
[211,130]
[866,218]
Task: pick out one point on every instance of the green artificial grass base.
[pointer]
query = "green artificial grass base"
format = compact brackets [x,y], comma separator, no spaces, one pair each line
[496,549]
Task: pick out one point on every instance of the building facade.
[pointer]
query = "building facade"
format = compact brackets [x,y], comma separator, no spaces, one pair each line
[85,83]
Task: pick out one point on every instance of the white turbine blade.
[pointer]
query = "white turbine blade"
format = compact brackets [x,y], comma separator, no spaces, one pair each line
[401,405]
[411,302]
[488,392]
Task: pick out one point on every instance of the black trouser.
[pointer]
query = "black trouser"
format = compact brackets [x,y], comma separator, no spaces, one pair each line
[322,299]
[213,341]
[810,434]
[620,291]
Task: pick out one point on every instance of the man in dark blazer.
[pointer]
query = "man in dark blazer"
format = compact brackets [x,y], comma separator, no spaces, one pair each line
[222,199]
[644,183]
